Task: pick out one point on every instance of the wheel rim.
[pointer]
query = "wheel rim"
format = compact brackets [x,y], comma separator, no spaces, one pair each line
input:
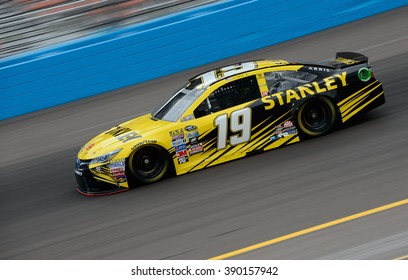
[316,117]
[149,162]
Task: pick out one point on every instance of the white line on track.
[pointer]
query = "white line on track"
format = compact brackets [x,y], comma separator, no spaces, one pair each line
[383,44]
[402,258]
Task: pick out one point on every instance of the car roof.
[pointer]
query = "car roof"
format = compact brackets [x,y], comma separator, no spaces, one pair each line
[212,76]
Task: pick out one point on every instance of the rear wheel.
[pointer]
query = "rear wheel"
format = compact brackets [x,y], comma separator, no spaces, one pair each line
[316,117]
[149,164]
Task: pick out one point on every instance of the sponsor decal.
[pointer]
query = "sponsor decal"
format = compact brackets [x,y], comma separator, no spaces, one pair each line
[177,134]
[192,134]
[345,61]
[143,143]
[178,142]
[278,129]
[190,128]
[320,69]
[193,140]
[291,95]
[182,153]
[180,147]
[90,147]
[117,169]
[182,160]
[292,131]
[128,136]
[287,124]
[177,137]
[118,163]
[279,136]
[187,118]
[281,132]
[265,93]
[118,174]
[196,148]
[117,166]
[220,73]
[118,130]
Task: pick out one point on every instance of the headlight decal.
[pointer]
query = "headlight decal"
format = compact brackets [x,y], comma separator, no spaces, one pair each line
[106,157]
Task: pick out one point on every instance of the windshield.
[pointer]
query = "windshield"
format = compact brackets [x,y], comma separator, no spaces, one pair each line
[175,107]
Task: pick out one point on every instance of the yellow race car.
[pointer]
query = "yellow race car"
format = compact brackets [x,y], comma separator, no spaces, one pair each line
[226,114]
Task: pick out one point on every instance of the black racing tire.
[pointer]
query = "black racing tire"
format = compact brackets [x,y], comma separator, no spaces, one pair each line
[149,164]
[316,117]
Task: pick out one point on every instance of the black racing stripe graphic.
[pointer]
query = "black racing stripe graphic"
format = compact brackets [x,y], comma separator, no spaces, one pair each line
[263,125]
[363,90]
[255,141]
[262,143]
[209,141]
[211,154]
[370,93]
[210,144]
[207,157]
[103,179]
[118,130]
[356,106]
[261,138]
[254,134]
[206,133]
[251,103]
[226,151]
[363,104]
[171,151]
[229,149]
[104,170]
[208,136]
[283,144]
[355,94]
[192,168]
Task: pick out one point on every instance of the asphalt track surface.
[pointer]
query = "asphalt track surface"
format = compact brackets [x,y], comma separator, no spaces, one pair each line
[227,207]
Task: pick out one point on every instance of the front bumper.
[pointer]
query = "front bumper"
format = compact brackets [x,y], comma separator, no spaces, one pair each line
[87,185]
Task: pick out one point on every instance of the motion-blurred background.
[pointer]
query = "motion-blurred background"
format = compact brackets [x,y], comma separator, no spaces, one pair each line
[220,209]
[29,24]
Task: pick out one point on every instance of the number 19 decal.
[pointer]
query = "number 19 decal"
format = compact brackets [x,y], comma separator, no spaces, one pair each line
[240,124]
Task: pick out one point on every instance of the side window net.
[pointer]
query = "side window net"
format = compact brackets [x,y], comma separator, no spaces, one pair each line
[229,95]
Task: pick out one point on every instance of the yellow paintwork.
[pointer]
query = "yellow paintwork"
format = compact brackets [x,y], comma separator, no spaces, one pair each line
[145,130]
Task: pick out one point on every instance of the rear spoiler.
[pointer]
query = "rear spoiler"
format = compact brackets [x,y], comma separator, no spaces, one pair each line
[346,59]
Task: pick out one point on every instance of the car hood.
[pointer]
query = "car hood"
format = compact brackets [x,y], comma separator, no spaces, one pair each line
[119,136]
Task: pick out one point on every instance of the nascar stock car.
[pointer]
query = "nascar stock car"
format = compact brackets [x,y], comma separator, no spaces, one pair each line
[226,114]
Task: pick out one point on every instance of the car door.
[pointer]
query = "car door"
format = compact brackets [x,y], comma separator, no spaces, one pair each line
[221,123]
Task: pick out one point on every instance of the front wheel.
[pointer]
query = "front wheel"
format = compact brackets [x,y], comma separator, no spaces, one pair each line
[149,164]
[316,117]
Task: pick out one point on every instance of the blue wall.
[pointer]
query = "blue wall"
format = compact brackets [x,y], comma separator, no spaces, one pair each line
[111,60]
